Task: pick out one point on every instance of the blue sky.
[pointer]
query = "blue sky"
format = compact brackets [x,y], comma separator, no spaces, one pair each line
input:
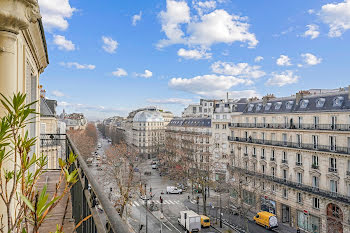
[110,57]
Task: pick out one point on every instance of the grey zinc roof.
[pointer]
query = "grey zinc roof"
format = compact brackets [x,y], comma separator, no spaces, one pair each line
[191,122]
[340,97]
[45,109]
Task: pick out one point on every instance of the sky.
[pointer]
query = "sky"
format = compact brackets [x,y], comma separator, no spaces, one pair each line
[110,57]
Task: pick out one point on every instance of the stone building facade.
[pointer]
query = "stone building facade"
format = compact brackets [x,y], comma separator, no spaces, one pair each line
[298,151]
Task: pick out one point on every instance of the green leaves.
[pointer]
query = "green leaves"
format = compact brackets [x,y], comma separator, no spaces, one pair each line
[72,177]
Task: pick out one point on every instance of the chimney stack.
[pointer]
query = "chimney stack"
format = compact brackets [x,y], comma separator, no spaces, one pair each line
[268,97]
[298,97]
[42,93]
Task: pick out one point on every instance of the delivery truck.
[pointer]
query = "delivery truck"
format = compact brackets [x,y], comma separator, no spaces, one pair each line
[190,221]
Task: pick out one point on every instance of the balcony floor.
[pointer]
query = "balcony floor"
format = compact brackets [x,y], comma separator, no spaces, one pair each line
[52,176]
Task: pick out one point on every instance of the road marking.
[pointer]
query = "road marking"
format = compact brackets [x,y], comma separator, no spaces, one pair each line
[166,202]
[166,226]
[137,204]
[171,202]
[158,202]
[177,202]
[172,225]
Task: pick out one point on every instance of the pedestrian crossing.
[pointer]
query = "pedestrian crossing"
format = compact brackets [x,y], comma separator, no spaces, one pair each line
[165,202]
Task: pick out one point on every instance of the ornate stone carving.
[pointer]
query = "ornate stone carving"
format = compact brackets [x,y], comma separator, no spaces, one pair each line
[16,15]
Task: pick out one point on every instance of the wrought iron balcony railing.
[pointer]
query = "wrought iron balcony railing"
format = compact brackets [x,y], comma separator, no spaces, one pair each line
[305,146]
[299,186]
[332,127]
[86,194]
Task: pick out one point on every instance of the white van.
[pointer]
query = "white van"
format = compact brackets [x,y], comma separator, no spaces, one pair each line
[173,189]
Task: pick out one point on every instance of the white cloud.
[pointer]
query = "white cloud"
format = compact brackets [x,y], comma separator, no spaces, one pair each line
[170,101]
[55,13]
[146,74]
[177,13]
[136,18]
[312,31]
[207,85]
[220,27]
[283,60]
[193,54]
[57,93]
[282,79]
[120,72]
[63,43]
[78,66]
[203,30]
[243,94]
[203,6]
[109,45]
[242,70]
[337,16]
[311,59]
[258,59]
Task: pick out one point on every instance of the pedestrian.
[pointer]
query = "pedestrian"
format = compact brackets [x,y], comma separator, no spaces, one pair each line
[188,197]
[160,198]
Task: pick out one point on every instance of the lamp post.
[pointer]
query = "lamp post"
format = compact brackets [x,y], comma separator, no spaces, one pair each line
[220,213]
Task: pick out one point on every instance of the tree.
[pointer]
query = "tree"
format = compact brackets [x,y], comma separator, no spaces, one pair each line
[245,190]
[26,207]
[122,160]
[85,140]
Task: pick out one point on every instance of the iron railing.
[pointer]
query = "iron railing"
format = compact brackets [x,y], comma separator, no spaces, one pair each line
[332,127]
[299,186]
[305,146]
[88,198]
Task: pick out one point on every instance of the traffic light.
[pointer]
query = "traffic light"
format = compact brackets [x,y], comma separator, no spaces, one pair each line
[197,199]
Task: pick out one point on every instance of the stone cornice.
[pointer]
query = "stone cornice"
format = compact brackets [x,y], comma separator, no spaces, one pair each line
[16,15]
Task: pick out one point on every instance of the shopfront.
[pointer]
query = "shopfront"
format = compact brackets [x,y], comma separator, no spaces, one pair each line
[285,214]
[268,205]
[308,222]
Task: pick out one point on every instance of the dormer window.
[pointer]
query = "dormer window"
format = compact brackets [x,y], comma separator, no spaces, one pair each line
[304,103]
[268,106]
[320,102]
[258,107]
[289,104]
[338,101]
[250,107]
[278,105]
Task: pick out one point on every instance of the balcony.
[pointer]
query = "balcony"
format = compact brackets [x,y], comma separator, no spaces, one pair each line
[306,188]
[298,164]
[332,169]
[86,194]
[272,159]
[262,157]
[305,146]
[314,166]
[330,127]
[245,154]
[254,155]
[284,161]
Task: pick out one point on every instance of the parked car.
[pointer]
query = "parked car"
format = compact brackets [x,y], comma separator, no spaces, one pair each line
[205,221]
[173,189]
[154,166]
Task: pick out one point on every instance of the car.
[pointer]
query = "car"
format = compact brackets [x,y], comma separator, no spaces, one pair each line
[154,166]
[205,221]
[173,190]
[98,157]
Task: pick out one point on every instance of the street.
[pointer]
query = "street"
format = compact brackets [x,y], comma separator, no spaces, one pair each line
[172,203]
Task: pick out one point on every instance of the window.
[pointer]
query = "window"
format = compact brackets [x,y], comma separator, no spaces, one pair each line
[332,164]
[273,136]
[273,188]
[263,185]
[316,121]
[299,198]
[263,137]
[332,143]
[284,138]
[299,159]
[299,177]
[315,203]
[255,121]
[273,155]
[285,174]
[285,193]
[264,121]
[224,117]
[320,102]
[338,101]
[254,151]
[285,122]
[262,153]
[304,103]
[263,169]
[284,156]
[315,182]
[258,107]
[273,172]
[278,105]
[333,122]
[314,162]
[217,126]
[42,128]
[289,104]
[250,107]
[314,141]
[333,186]
[299,140]
[224,126]
[246,150]
[268,106]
